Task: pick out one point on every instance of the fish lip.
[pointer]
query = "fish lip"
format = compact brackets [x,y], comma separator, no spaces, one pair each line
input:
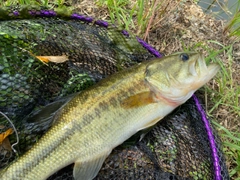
[208,71]
[199,68]
[213,69]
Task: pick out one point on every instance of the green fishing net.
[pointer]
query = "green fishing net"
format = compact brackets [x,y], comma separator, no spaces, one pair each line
[182,146]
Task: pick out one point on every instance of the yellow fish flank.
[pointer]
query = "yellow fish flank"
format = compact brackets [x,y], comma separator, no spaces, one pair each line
[95,121]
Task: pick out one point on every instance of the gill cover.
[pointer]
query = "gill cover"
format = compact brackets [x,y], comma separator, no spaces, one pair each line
[176,77]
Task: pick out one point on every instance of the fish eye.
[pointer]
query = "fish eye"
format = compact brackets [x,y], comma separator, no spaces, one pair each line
[184,57]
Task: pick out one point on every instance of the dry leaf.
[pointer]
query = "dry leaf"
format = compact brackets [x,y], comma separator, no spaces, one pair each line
[5,150]
[5,134]
[55,59]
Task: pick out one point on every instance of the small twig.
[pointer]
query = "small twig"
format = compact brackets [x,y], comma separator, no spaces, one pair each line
[150,21]
[15,130]
[206,102]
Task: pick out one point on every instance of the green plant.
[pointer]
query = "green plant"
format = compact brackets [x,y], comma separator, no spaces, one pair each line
[223,94]
[139,15]
[231,149]
[119,10]
[226,97]
[234,25]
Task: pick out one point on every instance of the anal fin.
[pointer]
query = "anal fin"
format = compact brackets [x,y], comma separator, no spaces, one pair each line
[88,170]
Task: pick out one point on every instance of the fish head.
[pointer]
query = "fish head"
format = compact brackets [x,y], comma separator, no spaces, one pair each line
[175,78]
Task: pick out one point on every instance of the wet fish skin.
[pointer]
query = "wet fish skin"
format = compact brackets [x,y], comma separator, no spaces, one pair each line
[95,121]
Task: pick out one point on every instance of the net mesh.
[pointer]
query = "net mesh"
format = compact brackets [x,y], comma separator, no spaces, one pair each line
[181,146]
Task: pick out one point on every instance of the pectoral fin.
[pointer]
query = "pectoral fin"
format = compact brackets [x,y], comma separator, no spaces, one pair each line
[88,170]
[138,100]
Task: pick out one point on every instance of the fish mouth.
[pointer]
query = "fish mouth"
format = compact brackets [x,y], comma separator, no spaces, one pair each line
[199,68]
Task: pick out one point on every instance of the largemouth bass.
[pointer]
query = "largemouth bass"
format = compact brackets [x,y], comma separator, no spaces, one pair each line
[93,122]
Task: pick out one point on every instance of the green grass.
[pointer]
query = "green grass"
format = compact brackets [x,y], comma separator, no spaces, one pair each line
[137,15]
[225,96]
[140,15]
[234,25]
[118,12]
[124,12]
[226,11]
[45,3]
[231,149]
[227,92]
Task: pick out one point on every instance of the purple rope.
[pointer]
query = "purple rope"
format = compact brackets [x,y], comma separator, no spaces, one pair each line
[15,13]
[125,33]
[216,162]
[102,23]
[48,13]
[82,18]
[149,48]
[43,13]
